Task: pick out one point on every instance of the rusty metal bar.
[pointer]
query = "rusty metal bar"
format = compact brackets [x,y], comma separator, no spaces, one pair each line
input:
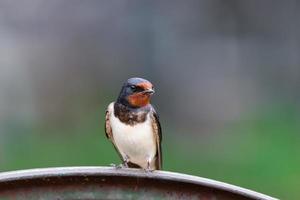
[111,183]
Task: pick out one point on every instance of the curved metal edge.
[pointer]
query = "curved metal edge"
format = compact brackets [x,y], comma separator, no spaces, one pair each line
[110,171]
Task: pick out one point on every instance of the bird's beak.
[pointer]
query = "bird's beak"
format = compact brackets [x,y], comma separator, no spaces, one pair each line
[149,91]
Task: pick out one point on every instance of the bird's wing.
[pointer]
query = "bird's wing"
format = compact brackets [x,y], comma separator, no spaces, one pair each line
[158,137]
[108,131]
[107,126]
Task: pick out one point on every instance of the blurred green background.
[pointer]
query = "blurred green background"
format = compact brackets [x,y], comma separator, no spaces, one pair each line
[226,73]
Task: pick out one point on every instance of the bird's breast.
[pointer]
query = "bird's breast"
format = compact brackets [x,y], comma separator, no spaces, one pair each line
[136,141]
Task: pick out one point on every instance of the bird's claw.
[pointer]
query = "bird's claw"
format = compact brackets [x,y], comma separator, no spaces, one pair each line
[149,170]
[120,166]
[115,166]
[112,165]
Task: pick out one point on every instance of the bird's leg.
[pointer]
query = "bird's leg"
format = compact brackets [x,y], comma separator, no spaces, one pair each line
[148,169]
[125,161]
[123,165]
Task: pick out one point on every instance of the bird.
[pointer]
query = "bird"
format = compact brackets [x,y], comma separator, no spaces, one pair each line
[132,125]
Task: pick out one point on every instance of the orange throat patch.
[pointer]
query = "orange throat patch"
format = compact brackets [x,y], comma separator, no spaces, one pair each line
[138,99]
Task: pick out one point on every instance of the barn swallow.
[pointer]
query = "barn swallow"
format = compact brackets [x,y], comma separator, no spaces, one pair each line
[132,125]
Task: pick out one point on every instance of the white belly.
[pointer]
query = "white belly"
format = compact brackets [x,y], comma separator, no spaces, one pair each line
[137,142]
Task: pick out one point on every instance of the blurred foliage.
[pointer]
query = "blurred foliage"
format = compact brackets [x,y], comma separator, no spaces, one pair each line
[261,153]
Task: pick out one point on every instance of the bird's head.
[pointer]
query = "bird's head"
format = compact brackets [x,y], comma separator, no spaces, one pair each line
[136,92]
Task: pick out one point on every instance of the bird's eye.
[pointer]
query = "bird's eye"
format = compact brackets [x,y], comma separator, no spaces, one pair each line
[133,87]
